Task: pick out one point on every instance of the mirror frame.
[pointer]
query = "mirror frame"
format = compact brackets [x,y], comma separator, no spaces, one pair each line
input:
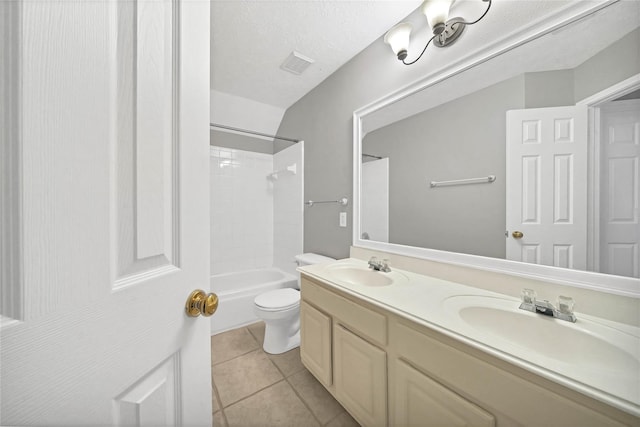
[620,285]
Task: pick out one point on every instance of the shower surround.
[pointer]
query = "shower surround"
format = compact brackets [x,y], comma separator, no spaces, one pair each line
[256,224]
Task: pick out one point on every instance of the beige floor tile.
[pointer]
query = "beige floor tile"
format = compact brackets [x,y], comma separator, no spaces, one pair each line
[238,378]
[276,406]
[216,403]
[257,330]
[319,400]
[343,420]
[230,344]
[218,420]
[289,363]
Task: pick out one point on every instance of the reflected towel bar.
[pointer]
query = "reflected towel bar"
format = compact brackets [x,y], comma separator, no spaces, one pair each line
[483,180]
[342,202]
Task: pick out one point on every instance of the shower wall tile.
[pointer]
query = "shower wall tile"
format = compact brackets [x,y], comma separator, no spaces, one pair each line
[242,201]
[255,222]
[288,194]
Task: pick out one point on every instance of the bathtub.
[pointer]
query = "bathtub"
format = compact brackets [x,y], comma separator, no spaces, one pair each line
[236,292]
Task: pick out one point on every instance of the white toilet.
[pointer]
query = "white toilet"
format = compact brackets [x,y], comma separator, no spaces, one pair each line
[280,311]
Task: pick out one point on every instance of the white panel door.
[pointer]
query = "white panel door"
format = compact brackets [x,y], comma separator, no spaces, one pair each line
[374,221]
[547,186]
[108,206]
[620,188]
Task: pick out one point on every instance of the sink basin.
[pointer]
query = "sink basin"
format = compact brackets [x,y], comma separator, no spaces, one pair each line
[584,344]
[355,275]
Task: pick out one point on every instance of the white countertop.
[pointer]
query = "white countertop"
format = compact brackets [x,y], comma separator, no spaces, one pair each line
[435,303]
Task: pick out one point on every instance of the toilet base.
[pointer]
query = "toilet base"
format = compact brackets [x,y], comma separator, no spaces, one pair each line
[277,341]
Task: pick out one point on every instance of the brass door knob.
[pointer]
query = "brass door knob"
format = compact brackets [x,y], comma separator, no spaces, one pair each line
[517,235]
[201,303]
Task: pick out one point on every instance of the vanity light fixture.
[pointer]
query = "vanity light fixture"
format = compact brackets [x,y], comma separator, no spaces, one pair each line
[445,31]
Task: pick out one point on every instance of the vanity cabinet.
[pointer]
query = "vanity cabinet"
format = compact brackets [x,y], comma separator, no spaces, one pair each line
[344,344]
[386,369]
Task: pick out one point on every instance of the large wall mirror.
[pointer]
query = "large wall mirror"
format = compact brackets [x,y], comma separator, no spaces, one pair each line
[527,161]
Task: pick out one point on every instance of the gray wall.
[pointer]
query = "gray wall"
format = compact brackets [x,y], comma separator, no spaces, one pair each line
[549,89]
[612,65]
[464,138]
[323,119]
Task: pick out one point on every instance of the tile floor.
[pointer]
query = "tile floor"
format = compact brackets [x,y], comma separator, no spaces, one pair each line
[254,388]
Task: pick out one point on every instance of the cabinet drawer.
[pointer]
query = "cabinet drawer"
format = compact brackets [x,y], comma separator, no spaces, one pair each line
[356,317]
[315,342]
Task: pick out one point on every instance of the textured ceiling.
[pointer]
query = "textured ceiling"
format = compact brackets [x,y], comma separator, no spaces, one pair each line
[251,38]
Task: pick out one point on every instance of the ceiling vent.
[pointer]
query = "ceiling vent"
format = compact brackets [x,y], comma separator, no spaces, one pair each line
[296,63]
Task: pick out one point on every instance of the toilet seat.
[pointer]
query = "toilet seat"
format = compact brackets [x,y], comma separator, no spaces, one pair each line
[278,299]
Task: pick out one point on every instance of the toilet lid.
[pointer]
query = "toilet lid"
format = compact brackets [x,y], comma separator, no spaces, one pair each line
[279,298]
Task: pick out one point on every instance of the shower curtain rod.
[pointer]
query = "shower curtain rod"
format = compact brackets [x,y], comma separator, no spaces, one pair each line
[215,125]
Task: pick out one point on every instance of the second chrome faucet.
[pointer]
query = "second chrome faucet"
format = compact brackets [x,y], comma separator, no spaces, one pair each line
[379,265]
[564,311]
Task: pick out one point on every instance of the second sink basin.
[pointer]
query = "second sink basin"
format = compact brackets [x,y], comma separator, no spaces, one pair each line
[356,275]
[587,344]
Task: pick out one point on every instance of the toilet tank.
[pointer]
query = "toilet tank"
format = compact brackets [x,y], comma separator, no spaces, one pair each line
[311,258]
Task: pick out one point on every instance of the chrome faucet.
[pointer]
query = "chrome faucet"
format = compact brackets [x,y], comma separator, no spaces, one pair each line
[563,312]
[379,265]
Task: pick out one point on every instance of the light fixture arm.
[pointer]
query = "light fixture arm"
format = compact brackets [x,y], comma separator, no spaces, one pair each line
[442,39]
[421,53]
[481,16]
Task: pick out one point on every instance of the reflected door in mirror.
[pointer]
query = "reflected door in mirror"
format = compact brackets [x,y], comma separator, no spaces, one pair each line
[620,188]
[547,186]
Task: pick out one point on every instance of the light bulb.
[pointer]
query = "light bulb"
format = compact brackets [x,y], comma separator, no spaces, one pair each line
[437,14]
[398,38]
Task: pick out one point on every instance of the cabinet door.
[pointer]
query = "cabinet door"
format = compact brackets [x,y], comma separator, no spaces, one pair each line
[421,401]
[315,342]
[360,371]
